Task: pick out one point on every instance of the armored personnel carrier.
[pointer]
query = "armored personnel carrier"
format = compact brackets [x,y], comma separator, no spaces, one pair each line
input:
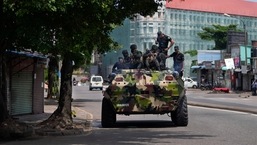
[145,92]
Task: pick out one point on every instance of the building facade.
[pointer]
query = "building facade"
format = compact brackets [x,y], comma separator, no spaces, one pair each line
[184,19]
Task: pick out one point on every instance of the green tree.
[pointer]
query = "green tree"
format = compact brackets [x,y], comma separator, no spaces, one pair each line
[218,34]
[191,52]
[66,28]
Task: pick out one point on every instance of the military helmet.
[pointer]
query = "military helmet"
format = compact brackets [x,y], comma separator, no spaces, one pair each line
[133,46]
[154,48]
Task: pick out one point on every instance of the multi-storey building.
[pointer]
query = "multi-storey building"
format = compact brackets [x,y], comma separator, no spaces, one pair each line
[184,19]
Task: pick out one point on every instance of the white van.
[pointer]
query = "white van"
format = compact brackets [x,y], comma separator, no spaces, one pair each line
[96,82]
[190,83]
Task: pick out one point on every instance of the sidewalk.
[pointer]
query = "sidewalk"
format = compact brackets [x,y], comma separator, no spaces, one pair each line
[82,120]
[235,101]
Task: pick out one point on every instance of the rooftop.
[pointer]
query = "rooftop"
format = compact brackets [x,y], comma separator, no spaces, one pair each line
[232,7]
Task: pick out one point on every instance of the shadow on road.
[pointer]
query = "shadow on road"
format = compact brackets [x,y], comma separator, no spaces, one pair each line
[141,124]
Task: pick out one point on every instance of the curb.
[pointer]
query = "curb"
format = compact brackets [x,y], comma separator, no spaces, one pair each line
[222,107]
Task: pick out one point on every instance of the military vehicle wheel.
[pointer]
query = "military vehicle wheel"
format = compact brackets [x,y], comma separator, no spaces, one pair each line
[108,114]
[180,115]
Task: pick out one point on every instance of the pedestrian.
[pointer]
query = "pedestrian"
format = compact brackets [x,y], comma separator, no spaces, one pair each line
[118,65]
[254,87]
[178,60]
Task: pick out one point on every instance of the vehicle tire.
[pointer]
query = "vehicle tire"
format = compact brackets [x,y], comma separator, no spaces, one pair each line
[90,89]
[194,86]
[180,116]
[108,118]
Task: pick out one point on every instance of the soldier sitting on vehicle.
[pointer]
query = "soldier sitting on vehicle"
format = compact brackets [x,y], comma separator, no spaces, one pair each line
[119,65]
[127,59]
[152,63]
[136,57]
[161,57]
[150,59]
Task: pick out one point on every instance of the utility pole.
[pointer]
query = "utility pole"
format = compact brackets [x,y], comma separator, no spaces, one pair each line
[245,35]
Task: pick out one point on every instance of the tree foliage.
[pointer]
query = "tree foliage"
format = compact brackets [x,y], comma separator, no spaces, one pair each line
[69,28]
[218,34]
[191,52]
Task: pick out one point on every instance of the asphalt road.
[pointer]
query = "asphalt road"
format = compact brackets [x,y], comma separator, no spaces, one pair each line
[206,126]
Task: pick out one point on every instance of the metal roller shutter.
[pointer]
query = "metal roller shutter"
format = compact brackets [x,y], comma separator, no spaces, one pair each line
[21,96]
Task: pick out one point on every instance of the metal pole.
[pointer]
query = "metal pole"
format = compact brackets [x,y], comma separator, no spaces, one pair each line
[245,42]
[245,35]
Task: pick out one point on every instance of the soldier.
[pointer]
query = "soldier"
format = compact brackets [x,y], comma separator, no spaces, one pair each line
[136,57]
[165,43]
[127,59]
[118,65]
[152,63]
[150,59]
[178,60]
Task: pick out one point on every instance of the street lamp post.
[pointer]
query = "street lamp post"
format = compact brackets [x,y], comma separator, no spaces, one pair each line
[245,35]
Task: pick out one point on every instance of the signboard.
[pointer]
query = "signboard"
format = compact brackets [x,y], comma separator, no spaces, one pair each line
[229,63]
[243,50]
[236,61]
[236,38]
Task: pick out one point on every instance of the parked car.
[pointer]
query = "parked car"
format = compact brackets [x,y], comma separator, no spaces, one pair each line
[190,83]
[96,82]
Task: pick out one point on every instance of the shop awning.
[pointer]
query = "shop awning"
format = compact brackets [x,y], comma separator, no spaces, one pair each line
[195,67]
[201,67]
[224,68]
[237,70]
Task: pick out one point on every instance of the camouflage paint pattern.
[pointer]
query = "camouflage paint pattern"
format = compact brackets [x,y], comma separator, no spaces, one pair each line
[140,91]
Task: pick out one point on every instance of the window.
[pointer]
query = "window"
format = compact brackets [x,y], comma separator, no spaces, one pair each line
[145,31]
[150,45]
[145,46]
[97,79]
[132,32]
[171,16]
[150,29]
